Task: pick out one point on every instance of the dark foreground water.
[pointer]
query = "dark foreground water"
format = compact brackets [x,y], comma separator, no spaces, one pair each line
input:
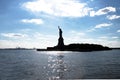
[33,65]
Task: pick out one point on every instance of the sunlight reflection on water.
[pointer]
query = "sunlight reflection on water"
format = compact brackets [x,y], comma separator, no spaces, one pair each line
[56,65]
[56,52]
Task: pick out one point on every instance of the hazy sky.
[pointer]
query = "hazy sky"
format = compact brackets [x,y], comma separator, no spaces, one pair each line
[33,23]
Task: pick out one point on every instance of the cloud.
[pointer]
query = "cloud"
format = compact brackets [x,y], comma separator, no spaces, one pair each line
[106,37]
[13,35]
[118,30]
[102,11]
[25,30]
[62,8]
[103,25]
[103,37]
[91,30]
[76,33]
[114,37]
[112,17]
[34,21]
[91,0]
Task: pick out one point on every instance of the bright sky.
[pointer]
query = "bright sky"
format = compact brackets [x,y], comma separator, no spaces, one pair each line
[33,23]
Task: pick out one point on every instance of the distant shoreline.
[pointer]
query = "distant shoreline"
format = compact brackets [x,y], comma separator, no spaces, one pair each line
[16,49]
[56,50]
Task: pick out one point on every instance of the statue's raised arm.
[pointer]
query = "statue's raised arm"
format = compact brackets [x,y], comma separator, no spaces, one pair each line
[60,31]
[59,27]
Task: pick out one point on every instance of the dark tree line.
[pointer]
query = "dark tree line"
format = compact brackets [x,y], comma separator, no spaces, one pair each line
[85,47]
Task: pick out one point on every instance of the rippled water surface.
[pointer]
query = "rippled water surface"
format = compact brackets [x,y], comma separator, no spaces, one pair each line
[45,65]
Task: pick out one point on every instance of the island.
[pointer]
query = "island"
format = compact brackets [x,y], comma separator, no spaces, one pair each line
[74,46]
